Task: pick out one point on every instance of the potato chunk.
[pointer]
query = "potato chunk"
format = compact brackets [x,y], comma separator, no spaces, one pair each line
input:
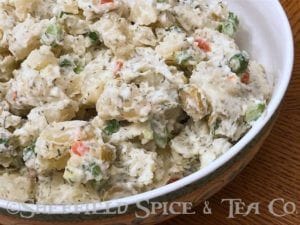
[16,187]
[25,37]
[194,102]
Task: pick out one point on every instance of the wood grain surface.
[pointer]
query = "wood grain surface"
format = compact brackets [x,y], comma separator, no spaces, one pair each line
[275,172]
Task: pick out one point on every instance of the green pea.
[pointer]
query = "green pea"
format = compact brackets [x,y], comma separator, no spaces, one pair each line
[239,62]
[93,36]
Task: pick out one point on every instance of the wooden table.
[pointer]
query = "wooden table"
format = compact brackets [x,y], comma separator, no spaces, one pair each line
[275,172]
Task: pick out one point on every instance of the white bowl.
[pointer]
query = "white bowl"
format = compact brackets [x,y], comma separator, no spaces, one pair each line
[266,34]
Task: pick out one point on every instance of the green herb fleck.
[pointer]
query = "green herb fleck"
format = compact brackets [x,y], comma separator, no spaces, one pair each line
[98,185]
[112,127]
[174,28]
[233,18]
[78,69]
[95,169]
[216,127]
[28,152]
[4,141]
[93,36]
[65,63]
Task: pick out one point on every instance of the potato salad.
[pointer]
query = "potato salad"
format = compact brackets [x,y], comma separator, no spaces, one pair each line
[101,99]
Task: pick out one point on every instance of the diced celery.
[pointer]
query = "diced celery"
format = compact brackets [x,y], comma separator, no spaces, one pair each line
[254,112]
[182,57]
[230,26]
[53,35]
[160,134]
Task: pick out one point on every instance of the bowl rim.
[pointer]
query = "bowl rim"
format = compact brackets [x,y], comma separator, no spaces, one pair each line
[274,104]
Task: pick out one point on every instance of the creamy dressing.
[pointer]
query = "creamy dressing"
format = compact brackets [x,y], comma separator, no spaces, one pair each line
[105,99]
